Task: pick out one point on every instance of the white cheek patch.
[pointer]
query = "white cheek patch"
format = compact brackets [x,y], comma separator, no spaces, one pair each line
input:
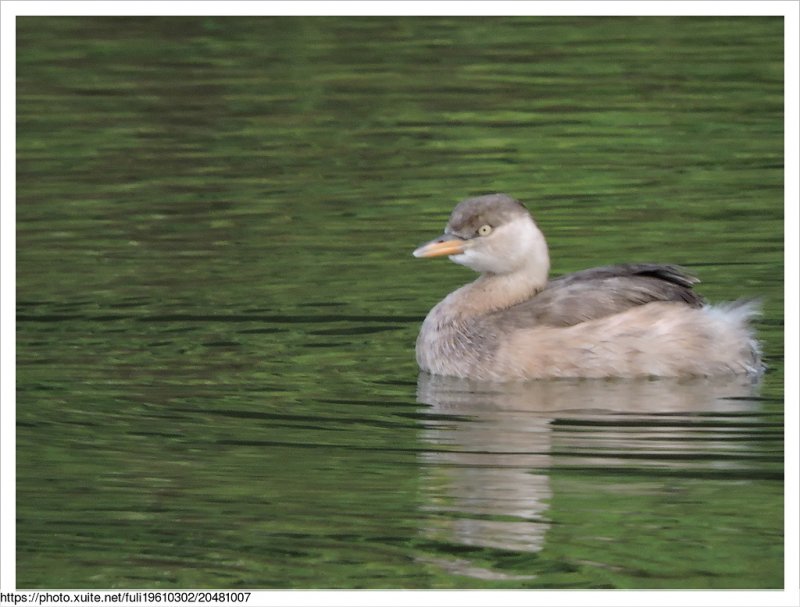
[477,261]
[460,259]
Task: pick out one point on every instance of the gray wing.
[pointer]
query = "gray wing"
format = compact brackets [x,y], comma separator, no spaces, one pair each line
[598,292]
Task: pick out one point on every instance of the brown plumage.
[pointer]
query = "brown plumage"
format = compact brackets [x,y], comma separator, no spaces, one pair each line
[598,292]
[623,320]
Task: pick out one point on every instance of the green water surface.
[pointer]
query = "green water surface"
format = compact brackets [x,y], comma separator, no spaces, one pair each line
[217,303]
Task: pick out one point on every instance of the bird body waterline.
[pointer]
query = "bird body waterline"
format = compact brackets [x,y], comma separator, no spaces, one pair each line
[627,320]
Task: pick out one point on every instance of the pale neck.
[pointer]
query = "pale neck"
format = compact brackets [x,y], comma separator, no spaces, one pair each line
[492,292]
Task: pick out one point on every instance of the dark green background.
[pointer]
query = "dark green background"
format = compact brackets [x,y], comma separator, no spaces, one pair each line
[217,304]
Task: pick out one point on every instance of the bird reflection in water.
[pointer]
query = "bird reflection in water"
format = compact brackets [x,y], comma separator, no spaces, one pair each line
[492,446]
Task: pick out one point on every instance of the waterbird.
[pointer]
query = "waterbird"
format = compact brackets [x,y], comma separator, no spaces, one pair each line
[514,323]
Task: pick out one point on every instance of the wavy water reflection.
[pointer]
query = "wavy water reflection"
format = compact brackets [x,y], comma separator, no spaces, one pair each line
[494,446]
[217,304]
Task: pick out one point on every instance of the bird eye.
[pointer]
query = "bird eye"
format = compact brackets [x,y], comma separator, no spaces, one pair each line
[485,229]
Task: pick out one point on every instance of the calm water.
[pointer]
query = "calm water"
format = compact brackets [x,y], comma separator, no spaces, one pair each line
[217,303]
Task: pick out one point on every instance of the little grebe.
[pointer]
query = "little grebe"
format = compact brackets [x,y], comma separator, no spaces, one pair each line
[627,320]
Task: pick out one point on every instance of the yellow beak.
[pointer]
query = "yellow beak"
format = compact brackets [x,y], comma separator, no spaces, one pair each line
[444,245]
